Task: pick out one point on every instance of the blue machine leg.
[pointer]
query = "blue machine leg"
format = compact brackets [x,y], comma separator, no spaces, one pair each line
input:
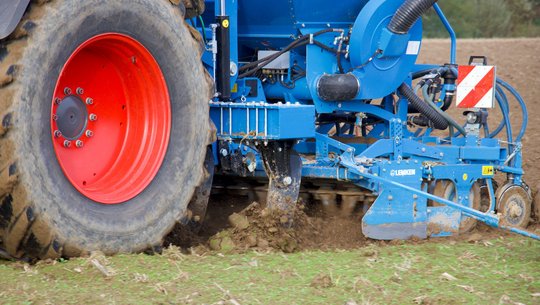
[395,215]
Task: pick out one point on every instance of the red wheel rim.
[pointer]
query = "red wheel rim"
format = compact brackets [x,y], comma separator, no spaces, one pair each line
[110,118]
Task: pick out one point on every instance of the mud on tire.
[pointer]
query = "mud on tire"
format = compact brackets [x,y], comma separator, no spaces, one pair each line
[41,214]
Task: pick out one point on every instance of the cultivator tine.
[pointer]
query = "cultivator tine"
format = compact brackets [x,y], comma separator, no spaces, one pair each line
[328,199]
[284,169]
[305,196]
[349,203]
[261,193]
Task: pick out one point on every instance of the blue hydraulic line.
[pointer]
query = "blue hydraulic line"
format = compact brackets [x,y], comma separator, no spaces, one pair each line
[503,104]
[501,125]
[450,30]
[510,137]
[523,108]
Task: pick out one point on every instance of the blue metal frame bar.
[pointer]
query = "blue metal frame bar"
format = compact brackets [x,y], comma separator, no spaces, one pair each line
[450,30]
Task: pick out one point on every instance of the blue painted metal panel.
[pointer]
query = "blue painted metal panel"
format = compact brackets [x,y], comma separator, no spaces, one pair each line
[263,121]
[273,24]
[480,153]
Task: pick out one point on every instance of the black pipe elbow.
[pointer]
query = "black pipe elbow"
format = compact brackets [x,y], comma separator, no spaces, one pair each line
[421,121]
[338,87]
[450,77]
[439,122]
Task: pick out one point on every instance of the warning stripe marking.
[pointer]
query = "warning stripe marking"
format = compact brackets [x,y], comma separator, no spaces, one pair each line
[475,86]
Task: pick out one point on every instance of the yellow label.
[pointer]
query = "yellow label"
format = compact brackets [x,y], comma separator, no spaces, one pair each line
[225,23]
[235,88]
[465,177]
[488,171]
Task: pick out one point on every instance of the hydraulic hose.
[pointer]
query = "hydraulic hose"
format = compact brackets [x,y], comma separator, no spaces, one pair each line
[439,121]
[251,68]
[421,73]
[503,104]
[407,15]
[521,102]
[429,100]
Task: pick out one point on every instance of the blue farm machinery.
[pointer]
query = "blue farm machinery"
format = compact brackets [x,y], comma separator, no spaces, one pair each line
[118,118]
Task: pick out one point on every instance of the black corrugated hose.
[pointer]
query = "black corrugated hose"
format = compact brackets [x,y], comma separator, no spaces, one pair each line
[401,23]
[438,121]
[407,15]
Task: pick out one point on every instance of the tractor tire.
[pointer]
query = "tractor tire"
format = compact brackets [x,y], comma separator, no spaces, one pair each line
[199,201]
[193,8]
[137,62]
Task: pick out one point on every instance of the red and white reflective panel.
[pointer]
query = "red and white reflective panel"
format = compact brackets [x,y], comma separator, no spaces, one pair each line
[476,87]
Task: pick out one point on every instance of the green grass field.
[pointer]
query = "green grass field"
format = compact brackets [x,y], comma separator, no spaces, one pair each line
[501,271]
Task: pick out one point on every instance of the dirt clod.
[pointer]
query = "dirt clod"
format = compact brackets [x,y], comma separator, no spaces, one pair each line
[251,240]
[474,237]
[222,242]
[322,280]
[256,227]
[238,221]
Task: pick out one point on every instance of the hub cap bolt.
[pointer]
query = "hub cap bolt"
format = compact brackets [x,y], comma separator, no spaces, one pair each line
[67,91]
[57,134]
[89,101]
[54,117]
[57,101]
[93,117]
[79,144]
[287,181]
[80,91]
[67,144]
[89,133]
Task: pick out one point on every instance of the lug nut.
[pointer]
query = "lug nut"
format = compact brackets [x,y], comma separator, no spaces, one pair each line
[89,133]
[54,117]
[57,101]
[80,91]
[67,91]
[93,117]
[67,144]
[89,101]
[57,134]
[79,144]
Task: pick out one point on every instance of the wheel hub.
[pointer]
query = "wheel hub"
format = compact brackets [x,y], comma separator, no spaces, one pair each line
[72,117]
[514,204]
[110,118]
[514,209]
